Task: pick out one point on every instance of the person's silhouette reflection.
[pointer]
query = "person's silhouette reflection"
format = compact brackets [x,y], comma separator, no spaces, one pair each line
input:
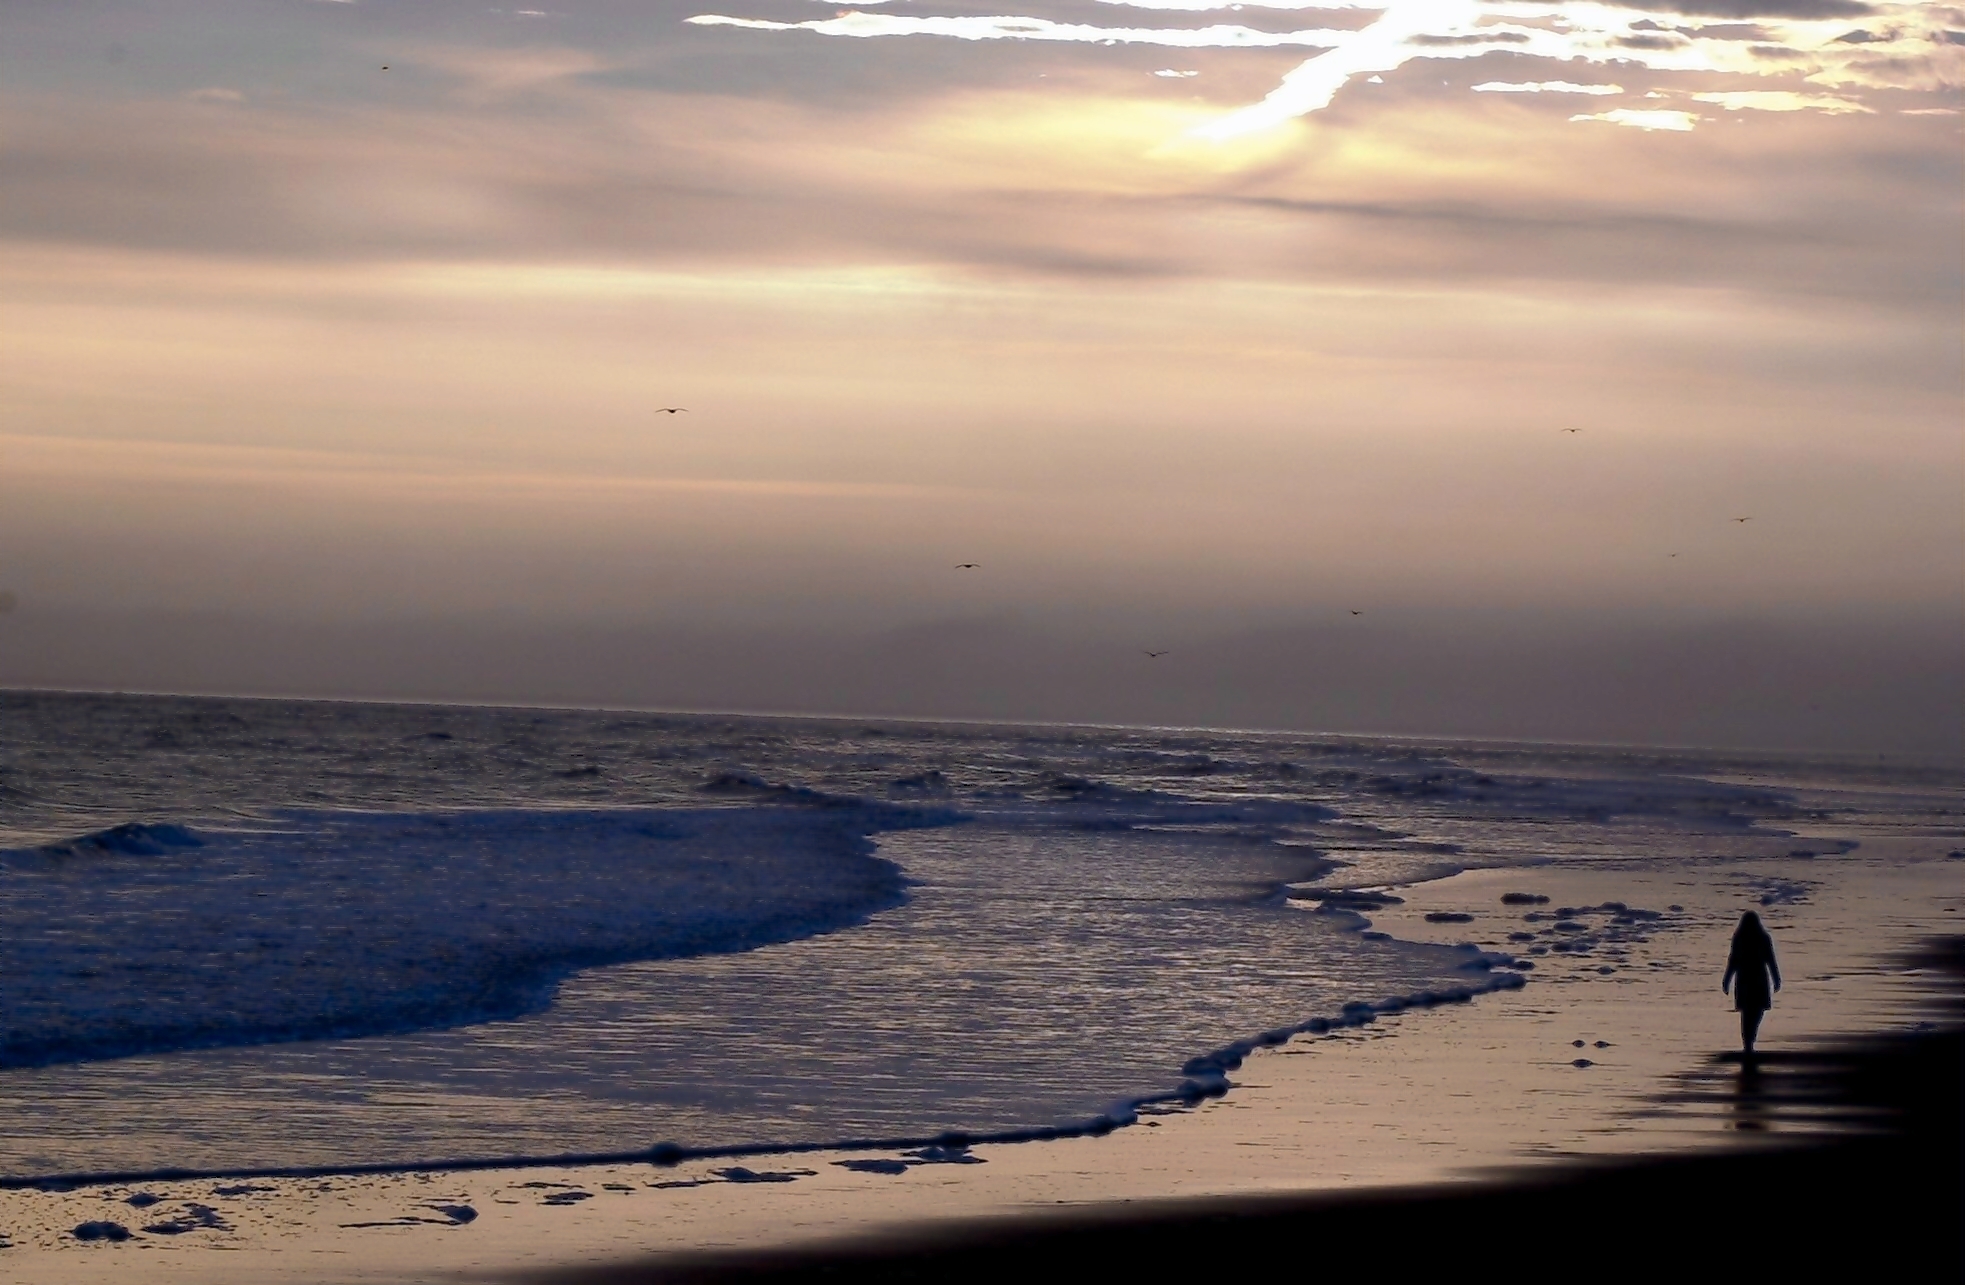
[1751,964]
[1749,1104]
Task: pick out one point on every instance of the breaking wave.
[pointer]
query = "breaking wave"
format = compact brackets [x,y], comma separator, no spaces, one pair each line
[146,938]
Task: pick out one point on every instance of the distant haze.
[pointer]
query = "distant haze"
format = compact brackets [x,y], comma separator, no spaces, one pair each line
[322,379]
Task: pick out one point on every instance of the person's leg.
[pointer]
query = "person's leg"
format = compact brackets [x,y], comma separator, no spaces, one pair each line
[1750,1026]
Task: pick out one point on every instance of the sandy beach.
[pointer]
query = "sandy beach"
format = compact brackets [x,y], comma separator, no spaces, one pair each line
[1803,1208]
[1591,1063]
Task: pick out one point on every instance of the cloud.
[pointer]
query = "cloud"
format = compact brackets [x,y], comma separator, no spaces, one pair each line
[1545,87]
[1771,100]
[1052,183]
[920,294]
[1779,41]
[1808,10]
[1381,47]
[1645,119]
[486,73]
[1730,31]
[1651,43]
[870,25]
[1204,6]
[1489,37]
[407,479]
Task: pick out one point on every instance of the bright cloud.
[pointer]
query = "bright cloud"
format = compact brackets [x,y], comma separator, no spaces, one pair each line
[1546,87]
[1205,6]
[1645,119]
[867,25]
[1779,100]
[1847,47]
[1383,46]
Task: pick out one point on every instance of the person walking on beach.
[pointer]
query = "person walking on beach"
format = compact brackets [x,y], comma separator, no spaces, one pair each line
[1751,964]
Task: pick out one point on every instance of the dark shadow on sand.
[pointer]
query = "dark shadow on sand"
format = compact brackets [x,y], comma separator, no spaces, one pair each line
[1883,1195]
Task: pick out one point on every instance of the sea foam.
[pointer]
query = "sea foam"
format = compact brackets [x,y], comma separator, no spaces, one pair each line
[145,938]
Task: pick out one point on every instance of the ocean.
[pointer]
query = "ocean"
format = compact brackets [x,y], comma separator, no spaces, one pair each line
[241,934]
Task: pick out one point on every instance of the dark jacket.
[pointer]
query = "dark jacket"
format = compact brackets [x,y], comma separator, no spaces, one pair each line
[1751,961]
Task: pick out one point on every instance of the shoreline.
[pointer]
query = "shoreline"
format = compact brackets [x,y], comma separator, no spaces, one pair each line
[1207,1078]
[1858,1131]
[1422,1106]
[1892,1153]
[1727,1209]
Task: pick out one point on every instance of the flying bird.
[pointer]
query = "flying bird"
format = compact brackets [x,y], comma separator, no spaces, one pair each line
[1743,519]
[670,410]
[967,566]
[1572,430]
[1357,613]
[1156,654]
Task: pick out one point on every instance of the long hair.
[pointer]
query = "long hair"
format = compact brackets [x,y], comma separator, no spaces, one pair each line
[1751,935]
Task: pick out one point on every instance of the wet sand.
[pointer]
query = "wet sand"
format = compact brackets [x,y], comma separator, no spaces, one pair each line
[1374,1144]
[1889,1198]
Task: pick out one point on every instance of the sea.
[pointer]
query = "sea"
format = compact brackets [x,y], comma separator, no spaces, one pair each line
[240,934]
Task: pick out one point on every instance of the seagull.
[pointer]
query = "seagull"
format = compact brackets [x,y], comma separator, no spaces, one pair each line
[1155,655]
[1572,430]
[1357,613]
[1743,519]
[670,410]
[967,566]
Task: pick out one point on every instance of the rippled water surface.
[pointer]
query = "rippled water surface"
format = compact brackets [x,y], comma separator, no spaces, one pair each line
[726,930]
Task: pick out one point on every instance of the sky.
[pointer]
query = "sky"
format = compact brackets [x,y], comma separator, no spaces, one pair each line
[1540,370]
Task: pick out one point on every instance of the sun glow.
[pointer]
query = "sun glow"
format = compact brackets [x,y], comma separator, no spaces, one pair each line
[1678,122]
[1384,46]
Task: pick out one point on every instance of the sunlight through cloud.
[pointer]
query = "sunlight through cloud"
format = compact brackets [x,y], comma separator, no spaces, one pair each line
[1815,43]
[1004,28]
[1546,87]
[1642,119]
[1776,100]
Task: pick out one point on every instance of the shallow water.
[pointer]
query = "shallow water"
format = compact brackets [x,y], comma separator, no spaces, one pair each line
[1086,911]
